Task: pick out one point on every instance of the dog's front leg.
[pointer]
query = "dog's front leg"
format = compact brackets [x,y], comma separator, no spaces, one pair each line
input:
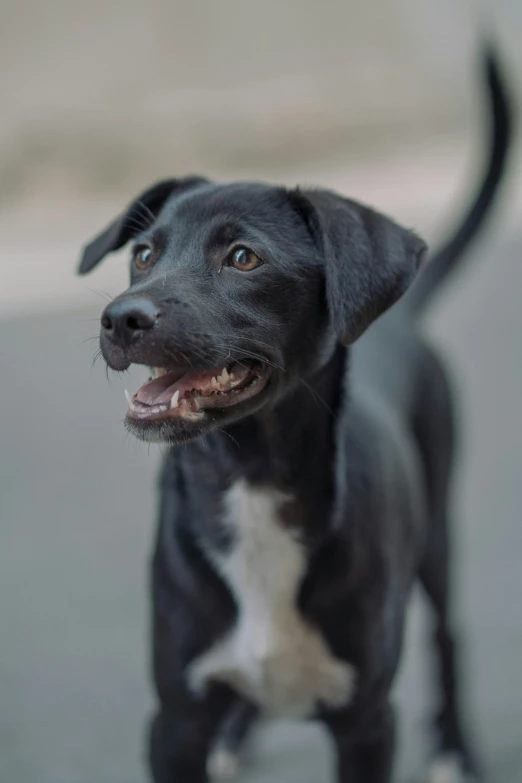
[182,733]
[364,750]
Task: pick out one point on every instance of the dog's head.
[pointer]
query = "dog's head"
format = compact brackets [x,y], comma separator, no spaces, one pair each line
[239,291]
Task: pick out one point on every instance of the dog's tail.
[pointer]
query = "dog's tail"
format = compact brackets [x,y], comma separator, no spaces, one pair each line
[449,256]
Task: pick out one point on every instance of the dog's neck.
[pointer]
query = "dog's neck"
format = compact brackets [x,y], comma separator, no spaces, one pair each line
[290,446]
[279,441]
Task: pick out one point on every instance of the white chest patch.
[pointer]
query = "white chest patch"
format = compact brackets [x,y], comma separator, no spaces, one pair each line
[271,655]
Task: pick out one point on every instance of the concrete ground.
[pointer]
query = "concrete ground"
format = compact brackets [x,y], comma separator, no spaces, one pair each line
[77,507]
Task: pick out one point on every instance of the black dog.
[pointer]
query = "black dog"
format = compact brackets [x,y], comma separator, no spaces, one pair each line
[313,489]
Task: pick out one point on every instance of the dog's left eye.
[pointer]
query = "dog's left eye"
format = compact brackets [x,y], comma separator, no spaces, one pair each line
[244,259]
[144,257]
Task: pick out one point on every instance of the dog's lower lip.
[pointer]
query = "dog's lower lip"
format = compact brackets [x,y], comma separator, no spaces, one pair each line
[178,395]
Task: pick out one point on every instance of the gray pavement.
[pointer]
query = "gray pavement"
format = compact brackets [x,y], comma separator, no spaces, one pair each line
[77,506]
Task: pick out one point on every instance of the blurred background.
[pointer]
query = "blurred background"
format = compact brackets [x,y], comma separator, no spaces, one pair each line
[381,101]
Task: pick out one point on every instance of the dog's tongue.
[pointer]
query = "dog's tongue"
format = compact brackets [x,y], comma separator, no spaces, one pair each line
[161,390]
[149,393]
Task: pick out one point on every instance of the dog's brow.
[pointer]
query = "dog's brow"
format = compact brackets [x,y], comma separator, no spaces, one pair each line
[157,235]
[224,234]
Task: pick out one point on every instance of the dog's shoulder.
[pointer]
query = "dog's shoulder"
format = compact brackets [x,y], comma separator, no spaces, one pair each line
[379,482]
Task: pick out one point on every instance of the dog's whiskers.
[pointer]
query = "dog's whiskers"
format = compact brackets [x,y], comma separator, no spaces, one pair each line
[142,220]
[102,294]
[247,354]
[87,340]
[316,396]
[96,356]
[136,222]
[147,212]
[234,441]
[223,335]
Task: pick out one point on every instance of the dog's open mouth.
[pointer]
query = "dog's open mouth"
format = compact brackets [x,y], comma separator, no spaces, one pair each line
[181,394]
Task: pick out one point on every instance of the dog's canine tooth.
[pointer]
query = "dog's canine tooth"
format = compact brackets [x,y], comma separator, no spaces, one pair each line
[174,400]
[214,382]
[128,398]
[224,375]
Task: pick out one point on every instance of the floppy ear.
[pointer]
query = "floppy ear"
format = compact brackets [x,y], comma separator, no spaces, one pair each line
[139,214]
[369,261]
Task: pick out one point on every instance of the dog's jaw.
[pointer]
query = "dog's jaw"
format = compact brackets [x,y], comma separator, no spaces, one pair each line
[178,405]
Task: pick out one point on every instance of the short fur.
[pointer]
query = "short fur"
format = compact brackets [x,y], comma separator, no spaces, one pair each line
[293,525]
[271,655]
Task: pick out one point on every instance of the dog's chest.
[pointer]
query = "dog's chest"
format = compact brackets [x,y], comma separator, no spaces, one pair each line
[271,655]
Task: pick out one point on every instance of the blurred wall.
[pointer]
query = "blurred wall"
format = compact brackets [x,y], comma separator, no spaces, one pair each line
[103,93]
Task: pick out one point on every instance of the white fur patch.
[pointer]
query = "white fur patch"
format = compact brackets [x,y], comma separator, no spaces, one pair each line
[272,655]
[447,768]
[223,764]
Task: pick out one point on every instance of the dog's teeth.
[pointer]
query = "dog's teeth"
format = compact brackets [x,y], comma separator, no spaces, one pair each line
[174,400]
[128,398]
[214,382]
[231,376]
[223,378]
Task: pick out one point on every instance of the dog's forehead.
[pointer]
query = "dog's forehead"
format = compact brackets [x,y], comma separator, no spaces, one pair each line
[211,205]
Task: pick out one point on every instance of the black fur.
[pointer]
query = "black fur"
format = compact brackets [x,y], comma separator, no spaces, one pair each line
[361,436]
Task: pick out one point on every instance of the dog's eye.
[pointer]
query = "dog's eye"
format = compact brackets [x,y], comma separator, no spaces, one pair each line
[244,259]
[144,257]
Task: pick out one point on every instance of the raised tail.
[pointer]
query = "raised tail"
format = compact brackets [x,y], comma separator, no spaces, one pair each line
[449,256]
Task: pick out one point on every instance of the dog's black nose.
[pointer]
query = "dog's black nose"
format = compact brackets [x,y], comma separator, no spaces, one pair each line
[124,321]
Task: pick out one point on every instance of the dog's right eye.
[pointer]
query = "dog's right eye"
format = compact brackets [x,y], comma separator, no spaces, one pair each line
[144,256]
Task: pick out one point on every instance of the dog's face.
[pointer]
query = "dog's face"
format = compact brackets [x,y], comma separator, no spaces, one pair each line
[238,292]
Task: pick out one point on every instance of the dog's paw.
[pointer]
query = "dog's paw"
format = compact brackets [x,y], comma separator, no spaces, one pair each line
[338,684]
[222,764]
[447,768]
